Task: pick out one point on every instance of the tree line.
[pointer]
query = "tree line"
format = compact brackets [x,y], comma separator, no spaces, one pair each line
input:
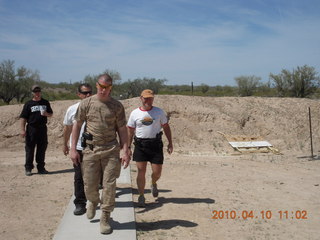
[300,82]
[15,85]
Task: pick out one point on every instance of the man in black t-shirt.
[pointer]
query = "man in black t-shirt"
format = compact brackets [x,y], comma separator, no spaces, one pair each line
[34,128]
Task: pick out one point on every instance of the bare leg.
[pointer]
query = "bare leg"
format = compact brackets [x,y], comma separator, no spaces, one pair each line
[141,177]
[156,172]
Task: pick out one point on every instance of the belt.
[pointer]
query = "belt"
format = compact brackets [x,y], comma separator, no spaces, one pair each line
[93,144]
[158,137]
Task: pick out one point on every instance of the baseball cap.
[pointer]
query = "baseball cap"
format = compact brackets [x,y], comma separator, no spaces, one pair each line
[147,93]
[34,87]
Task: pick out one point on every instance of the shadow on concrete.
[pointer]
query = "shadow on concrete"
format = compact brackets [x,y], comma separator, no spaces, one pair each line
[123,226]
[117,225]
[123,191]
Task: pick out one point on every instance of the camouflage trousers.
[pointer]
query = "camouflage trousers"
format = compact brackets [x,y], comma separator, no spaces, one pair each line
[101,162]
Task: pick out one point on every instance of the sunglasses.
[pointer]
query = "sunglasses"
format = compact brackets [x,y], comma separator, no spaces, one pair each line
[105,86]
[86,93]
[36,91]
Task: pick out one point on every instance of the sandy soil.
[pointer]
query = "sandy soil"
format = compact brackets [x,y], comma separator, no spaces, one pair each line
[207,191]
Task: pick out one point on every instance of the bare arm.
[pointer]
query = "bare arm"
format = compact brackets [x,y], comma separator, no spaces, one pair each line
[75,157]
[167,132]
[46,114]
[130,136]
[23,122]
[123,135]
[67,129]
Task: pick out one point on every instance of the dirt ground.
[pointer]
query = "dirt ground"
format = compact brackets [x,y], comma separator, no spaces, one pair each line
[207,190]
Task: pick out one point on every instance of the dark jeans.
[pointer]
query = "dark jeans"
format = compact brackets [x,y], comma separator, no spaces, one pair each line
[80,197]
[36,137]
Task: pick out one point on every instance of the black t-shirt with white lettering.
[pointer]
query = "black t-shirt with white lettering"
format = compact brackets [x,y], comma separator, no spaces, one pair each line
[31,112]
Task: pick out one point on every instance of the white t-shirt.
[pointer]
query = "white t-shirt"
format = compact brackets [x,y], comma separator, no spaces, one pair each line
[69,120]
[147,123]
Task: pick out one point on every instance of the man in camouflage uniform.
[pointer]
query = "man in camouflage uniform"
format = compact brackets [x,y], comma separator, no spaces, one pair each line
[105,118]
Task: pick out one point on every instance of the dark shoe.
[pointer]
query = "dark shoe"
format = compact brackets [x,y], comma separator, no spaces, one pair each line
[154,190]
[80,210]
[43,171]
[141,201]
[28,173]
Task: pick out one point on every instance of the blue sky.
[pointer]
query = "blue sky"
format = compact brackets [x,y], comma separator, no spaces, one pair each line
[200,41]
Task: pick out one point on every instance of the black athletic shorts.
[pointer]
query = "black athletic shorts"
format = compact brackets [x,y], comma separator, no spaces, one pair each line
[148,150]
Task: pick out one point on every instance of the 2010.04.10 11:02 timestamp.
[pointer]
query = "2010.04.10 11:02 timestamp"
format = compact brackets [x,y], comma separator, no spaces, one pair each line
[265,214]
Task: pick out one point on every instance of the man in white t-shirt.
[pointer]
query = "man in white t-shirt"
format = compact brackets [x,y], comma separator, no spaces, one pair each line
[84,91]
[144,126]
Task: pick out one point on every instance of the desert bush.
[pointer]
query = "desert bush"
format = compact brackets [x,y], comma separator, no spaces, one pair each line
[247,85]
[301,82]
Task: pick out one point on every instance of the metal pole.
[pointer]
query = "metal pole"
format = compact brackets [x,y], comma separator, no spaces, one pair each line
[192,88]
[310,132]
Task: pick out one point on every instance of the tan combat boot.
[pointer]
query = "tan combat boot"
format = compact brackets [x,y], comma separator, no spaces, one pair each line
[91,210]
[105,227]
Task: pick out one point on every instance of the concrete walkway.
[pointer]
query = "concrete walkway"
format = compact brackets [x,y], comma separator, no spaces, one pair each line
[122,218]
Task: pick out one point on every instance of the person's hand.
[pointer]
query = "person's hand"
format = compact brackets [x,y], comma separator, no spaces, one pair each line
[75,157]
[65,150]
[23,133]
[125,160]
[170,148]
